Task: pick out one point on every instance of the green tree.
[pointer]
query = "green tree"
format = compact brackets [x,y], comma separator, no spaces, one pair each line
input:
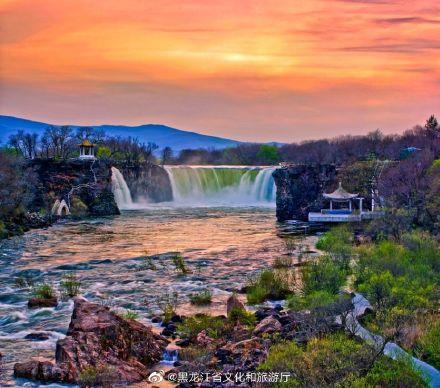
[268,154]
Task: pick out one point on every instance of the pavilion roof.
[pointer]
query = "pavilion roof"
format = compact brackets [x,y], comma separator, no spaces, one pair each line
[340,194]
[86,143]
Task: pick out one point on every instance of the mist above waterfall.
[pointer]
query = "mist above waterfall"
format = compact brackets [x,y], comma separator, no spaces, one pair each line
[222,185]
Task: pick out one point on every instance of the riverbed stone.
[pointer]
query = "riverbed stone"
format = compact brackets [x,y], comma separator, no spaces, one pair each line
[101,340]
[268,325]
[38,336]
[42,302]
[233,303]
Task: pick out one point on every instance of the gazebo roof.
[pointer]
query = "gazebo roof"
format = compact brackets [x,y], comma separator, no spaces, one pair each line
[340,194]
[86,143]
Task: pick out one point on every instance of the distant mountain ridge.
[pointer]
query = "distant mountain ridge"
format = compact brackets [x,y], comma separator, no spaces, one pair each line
[162,135]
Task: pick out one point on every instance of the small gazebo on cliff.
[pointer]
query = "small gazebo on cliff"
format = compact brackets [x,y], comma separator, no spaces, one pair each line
[341,208]
[86,150]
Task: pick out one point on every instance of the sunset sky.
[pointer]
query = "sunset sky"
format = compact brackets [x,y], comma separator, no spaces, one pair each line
[244,69]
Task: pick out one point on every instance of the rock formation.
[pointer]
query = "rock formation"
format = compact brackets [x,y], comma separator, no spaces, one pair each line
[147,182]
[300,189]
[98,340]
[84,182]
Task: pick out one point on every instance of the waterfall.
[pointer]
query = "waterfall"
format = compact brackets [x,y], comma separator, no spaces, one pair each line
[120,190]
[222,185]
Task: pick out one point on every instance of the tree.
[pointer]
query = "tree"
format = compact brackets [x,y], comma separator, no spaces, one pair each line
[167,154]
[432,126]
[268,154]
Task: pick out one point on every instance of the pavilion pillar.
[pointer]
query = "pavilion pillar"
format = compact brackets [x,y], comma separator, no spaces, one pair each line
[349,205]
[331,205]
[360,205]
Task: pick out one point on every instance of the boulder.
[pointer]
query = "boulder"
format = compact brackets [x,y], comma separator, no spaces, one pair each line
[98,340]
[268,325]
[233,303]
[34,303]
[38,336]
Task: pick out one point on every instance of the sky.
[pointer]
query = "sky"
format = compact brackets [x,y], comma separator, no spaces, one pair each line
[249,70]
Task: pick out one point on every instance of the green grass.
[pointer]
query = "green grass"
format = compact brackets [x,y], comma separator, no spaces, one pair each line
[201,298]
[130,315]
[214,326]
[70,285]
[268,285]
[44,291]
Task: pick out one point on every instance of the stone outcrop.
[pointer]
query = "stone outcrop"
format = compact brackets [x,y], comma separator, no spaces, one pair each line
[98,340]
[42,302]
[233,303]
[147,181]
[300,189]
[85,182]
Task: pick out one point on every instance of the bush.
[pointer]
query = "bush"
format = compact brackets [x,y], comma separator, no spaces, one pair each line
[323,275]
[179,263]
[311,301]
[70,285]
[391,373]
[427,346]
[202,298]
[268,285]
[44,291]
[130,315]
[168,304]
[214,326]
[282,262]
[328,361]
[238,315]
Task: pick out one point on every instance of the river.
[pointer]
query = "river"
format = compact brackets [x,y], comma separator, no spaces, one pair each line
[221,246]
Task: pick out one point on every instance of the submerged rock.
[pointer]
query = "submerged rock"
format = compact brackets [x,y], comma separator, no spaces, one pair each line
[42,302]
[99,340]
[38,336]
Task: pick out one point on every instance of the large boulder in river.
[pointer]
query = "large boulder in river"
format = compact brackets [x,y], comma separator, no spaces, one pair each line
[101,341]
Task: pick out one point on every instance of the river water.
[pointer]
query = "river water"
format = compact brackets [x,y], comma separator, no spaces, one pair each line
[221,246]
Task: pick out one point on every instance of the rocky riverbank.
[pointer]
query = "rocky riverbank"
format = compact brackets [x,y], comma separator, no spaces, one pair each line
[100,347]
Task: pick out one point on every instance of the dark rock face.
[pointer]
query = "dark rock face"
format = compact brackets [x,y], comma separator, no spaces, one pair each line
[233,303]
[147,181]
[300,189]
[99,339]
[87,180]
[42,302]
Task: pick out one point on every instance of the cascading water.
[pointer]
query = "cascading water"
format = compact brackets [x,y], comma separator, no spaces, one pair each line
[222,185]
[120,190]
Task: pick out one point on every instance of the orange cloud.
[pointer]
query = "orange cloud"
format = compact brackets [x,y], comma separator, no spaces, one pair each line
[252,70]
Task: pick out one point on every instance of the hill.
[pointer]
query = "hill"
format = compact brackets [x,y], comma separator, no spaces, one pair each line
[162,135]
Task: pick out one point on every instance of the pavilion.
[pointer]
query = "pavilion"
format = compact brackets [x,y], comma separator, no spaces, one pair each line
[86,150]
[342,208]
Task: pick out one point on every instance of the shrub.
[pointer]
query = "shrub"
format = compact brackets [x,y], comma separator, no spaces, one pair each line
[290,245]
[168,304]
[311,301]
[268,285]
[214,326]
[283,262]
[70,285]
[130,315]
[323,275]
[201,298]
[44,291]
[337,242]
[391,373]
[428,346]
[93,376]
[179,263]
[328,361]
[238,315]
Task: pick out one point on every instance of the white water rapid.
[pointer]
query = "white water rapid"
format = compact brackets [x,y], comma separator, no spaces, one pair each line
[222,185]
[120,190]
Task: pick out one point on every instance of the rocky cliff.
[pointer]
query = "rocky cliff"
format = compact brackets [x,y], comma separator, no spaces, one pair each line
[85,186]
[148,182]
[300,188]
